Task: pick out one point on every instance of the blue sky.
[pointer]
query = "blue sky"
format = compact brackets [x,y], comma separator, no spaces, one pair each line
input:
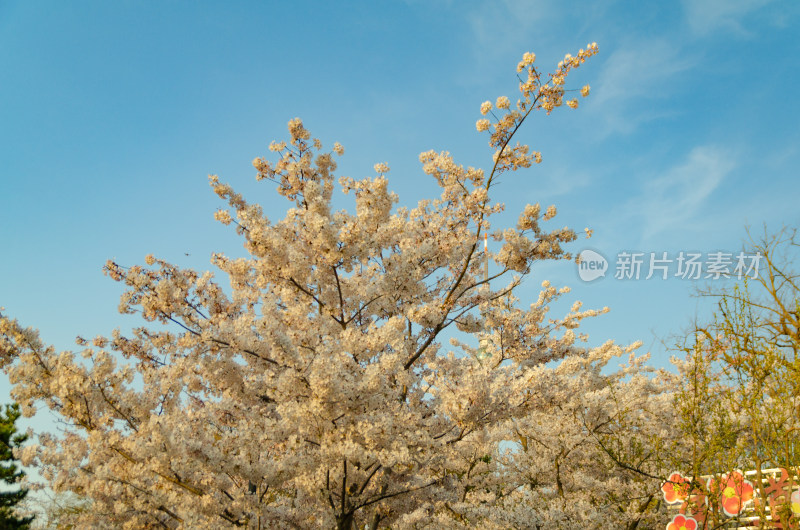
[112,114]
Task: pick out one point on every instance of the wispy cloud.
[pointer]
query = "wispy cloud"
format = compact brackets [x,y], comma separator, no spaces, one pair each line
[505,26]
[547,27]
[673,200]
[632,77]
[561,180]
[707,16]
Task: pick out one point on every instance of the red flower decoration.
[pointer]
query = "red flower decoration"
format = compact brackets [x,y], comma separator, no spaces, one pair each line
[676,488]
[734,493]
[681,522]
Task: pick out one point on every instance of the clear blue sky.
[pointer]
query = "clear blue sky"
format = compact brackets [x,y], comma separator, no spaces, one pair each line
[112,114]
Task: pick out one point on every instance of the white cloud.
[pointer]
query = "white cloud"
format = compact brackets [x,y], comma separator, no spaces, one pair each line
[504,26]
[546,27]
[560,180]
[642,70]
[706,16]
[674,199]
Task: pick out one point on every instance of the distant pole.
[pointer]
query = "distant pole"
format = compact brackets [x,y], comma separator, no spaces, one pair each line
[484,342]
[486,257]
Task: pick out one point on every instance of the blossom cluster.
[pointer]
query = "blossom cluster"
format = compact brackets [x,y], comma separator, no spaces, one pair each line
[536,94]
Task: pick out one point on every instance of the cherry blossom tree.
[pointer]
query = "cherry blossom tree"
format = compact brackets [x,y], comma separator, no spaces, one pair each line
[313,390]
